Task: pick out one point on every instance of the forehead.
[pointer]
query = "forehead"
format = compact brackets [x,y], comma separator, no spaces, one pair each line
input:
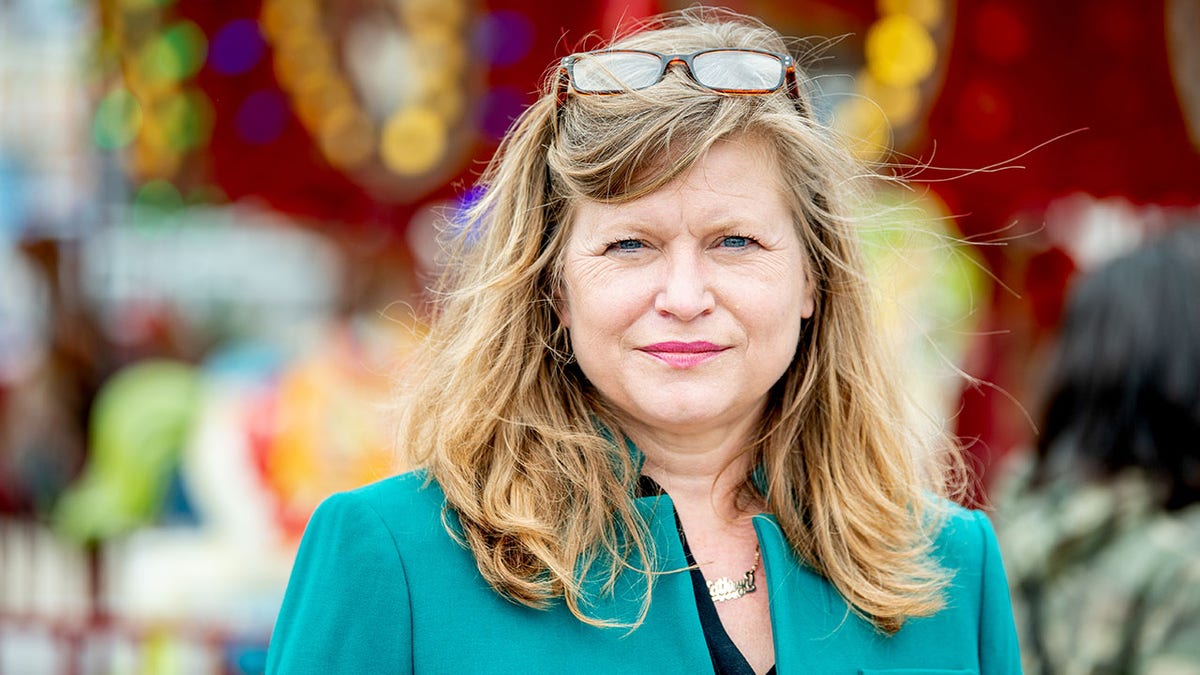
[736,178]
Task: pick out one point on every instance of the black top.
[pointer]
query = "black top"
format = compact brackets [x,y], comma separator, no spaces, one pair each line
[727,659]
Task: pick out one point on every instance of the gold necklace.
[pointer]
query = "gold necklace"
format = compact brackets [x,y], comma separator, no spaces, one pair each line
[724,588]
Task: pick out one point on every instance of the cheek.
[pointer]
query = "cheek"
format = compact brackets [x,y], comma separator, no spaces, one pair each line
[596,300]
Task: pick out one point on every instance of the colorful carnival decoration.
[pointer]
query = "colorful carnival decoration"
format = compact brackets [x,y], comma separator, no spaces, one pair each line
[379,86]
[934,289]
[140,422]
[325,426]
[151,106]
[902,53]
[349,112]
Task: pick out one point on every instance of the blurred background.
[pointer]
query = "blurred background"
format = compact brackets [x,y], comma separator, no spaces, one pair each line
[217,220]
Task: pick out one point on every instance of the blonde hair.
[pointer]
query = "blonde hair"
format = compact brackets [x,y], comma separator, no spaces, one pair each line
[530,457]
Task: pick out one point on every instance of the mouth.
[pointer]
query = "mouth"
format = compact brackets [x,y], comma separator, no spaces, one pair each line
[683,354]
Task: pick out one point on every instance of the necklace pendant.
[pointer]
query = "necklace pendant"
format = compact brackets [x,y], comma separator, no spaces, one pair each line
[724,588]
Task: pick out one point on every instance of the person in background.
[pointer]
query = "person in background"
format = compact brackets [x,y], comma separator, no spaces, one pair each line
[654,427]
[1101,525]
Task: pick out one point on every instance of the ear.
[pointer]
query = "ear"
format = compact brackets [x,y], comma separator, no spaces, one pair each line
[562,308]
[808,302]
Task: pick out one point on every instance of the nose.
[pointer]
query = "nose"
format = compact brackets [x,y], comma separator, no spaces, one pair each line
[686,291]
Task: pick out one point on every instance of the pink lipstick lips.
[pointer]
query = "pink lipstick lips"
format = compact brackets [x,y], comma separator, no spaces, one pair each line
[683,354]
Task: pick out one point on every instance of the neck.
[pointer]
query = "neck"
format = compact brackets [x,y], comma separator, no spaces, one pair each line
[702,471]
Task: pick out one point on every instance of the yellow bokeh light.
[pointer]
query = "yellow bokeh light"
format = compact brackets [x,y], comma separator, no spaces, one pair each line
[442,92]
[296,58]
[414,141]
[157,63]
[928,12]
[438,50]
[317,94]
[150,160]
[447,102]
[416,13]
[865,128]
[154,133]
[899,104]
[147,90]
[900,51]
[299,38]
[281,18]
[346,137]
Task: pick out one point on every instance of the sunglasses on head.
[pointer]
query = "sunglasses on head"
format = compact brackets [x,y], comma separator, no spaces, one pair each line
[729,71]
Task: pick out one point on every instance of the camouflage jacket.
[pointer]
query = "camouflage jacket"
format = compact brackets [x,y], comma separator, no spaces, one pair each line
[1103,581]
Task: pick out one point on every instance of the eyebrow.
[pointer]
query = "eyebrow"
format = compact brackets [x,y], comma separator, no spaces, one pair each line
[635,225]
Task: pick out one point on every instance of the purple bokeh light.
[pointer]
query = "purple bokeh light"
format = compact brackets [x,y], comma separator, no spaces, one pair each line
[503,37]
[262,117]
[237,47]
[500,107]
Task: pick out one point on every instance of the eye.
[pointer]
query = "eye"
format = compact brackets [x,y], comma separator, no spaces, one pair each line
[735,241]
[625,245]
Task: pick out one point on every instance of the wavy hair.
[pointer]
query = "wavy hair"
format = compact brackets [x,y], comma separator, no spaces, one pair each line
[529,455]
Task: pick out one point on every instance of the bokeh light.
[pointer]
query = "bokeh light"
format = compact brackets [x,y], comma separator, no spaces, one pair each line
[141,5]
[504,37]
[187,119]
[347,137]
[414,141]
[117,121]
[899,104]
[501,106]
[298,55]
[900,52]
[262,117]
[283,17]
[421,13]
[153,204]
[928,12]
[159,194]
[150,157]
[318,94]
[237,47]
[173,55]
[864,126]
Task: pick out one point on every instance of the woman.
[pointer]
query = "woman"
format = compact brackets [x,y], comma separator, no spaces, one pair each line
[655,431]
[1111,498]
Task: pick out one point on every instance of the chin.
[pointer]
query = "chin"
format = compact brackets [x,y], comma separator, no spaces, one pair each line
[675,416]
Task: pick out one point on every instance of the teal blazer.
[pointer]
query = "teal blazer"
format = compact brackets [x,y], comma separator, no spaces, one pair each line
[379,586]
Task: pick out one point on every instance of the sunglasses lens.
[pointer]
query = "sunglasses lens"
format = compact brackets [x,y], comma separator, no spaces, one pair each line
[608,72]
[738,71]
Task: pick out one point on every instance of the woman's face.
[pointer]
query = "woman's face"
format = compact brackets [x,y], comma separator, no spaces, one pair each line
[684,306]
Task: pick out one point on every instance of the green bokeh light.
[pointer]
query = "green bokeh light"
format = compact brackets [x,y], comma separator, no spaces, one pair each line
[207,194]
[117,121]
[141,5]
[175,54]
[159,194]
[155,206]
[188,118]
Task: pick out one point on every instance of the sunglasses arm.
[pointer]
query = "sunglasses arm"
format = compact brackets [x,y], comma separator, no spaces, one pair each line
[562,83]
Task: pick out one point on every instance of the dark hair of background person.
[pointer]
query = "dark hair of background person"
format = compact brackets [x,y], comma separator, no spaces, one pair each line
[1124,382]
